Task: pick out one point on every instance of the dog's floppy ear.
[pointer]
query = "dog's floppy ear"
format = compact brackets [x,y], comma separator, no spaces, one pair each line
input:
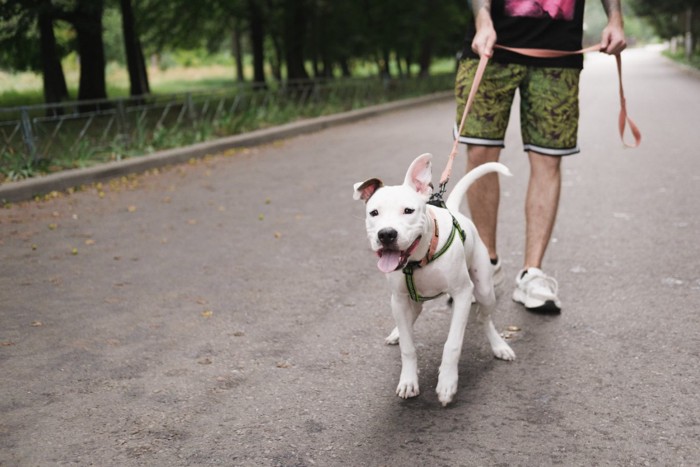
[365,190]
[420,174]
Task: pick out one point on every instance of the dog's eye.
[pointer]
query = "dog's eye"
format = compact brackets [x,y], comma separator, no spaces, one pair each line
[409,211]
[374,213]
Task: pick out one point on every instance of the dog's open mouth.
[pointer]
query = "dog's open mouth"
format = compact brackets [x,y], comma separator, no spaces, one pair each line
[391,260]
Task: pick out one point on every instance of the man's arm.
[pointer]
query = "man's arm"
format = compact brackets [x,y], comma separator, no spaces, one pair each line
[612,40]
[485,37]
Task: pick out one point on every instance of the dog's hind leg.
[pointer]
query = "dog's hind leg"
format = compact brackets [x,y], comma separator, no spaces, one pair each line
[405,313]
[481,272]
[393,337]
[499,346]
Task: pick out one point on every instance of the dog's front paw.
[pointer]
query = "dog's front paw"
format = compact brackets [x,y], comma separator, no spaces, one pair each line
[447,387]
[407,388]
[393,337]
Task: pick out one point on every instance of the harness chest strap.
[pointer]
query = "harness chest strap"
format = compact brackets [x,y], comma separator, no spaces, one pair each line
[430,257]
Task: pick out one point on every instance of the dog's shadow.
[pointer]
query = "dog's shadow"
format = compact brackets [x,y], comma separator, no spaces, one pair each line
[405,423]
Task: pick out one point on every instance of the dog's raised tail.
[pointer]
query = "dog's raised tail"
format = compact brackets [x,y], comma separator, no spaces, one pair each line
[465,182]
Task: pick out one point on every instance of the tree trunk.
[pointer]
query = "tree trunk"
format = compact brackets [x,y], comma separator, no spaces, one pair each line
[55,89]
[689,33]
[237,52]
[427,39]
[276,59]
[257,37]
[325,50]
[327,66]
[384,70]
[294,35]
[138,75]
[87,20]
[425,56]
[344,67]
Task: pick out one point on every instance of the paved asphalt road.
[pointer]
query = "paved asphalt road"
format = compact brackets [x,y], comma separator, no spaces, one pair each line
[229,312]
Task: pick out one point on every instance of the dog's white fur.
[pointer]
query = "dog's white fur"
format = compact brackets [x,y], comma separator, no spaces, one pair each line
[462,271]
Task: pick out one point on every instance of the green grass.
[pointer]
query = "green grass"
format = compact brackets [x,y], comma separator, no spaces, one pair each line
[18,98]
[25,88]
[60,150]
[680,58]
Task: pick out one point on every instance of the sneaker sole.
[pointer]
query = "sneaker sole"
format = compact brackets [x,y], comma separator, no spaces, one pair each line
[548,307]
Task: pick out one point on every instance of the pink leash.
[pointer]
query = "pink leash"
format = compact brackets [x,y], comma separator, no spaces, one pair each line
[624,119]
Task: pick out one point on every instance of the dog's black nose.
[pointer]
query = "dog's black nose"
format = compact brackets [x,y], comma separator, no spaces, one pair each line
[387,236]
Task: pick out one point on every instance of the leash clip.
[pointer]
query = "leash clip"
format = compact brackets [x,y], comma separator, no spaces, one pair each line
[436,199]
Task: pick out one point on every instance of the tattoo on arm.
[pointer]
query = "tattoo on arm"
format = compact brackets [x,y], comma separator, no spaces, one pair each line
[477,5]
[612,6]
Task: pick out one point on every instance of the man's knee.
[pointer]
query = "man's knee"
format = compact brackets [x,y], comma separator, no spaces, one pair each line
[477,155]
[544,163]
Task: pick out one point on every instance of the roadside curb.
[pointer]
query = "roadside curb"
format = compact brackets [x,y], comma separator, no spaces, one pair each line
[23,190]
[687,69]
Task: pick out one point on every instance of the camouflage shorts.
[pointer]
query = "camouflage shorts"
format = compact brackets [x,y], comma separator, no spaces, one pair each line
[548,106]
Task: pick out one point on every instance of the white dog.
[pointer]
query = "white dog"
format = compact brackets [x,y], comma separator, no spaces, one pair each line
[426,251]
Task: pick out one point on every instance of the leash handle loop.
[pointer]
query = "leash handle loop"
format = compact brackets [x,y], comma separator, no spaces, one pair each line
[624,119]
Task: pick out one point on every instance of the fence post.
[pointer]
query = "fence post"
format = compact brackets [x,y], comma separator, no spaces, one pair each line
[122,123]
[28,133]
[189,103]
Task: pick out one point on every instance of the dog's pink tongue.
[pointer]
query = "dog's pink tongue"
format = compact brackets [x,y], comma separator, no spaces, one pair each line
[389,261]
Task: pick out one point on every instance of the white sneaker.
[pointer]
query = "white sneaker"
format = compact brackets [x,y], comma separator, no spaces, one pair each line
[537,291]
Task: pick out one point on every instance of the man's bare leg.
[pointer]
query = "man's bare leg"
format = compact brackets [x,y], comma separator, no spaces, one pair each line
[484,196]
[541,206]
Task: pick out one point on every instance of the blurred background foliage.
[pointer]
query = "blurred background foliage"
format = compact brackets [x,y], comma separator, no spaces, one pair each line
[57,50]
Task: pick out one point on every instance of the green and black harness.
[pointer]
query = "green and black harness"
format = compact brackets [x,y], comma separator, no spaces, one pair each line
[431,256]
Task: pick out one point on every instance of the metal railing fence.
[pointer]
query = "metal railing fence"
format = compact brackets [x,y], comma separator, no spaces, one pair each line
[45,138]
